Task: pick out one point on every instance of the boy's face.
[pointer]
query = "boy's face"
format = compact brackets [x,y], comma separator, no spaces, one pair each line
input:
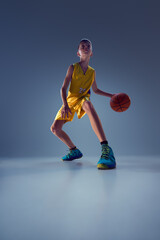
[85,49]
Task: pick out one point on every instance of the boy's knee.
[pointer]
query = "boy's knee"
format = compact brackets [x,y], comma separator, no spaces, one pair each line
[55,129]
[52,128]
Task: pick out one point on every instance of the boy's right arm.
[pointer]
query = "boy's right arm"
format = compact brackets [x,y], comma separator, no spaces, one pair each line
[64,89]
[66,84]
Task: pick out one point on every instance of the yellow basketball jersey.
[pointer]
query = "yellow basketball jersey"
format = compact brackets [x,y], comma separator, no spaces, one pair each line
[81,82]
[78,92]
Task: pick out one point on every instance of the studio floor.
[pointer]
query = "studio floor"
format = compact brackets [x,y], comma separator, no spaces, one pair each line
[47,199]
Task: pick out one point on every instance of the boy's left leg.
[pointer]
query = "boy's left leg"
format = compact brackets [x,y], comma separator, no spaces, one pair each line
[94,119]
[107,159]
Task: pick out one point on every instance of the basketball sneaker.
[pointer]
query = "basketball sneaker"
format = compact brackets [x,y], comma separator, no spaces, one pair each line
[73,154]
[107,159]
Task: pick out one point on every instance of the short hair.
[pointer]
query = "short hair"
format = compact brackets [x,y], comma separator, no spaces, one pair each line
[85,40]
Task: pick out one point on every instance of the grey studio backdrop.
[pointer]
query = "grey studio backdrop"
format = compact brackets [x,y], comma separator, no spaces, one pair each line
[39,41]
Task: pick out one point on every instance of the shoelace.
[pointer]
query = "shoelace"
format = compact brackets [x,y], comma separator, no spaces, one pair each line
[71,153]
[105,152]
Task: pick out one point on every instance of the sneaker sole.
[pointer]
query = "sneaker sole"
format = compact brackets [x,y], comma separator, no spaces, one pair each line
[102,166]
[71,159]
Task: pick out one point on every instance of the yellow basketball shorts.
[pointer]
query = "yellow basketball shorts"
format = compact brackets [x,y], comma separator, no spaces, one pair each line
[75,104]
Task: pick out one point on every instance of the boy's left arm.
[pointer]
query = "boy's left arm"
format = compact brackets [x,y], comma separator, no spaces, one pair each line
[97,90]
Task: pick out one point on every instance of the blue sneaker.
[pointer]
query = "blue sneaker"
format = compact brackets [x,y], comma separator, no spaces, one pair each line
[107,160]
[73,154]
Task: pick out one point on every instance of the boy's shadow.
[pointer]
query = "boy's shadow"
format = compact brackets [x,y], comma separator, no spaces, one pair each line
[78,164]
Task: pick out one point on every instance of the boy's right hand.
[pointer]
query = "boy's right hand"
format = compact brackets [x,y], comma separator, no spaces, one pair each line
[65,111]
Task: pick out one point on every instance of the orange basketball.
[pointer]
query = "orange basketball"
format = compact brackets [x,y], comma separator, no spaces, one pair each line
[120,102]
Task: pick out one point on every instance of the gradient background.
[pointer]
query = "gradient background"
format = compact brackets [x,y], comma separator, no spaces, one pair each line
[39,41]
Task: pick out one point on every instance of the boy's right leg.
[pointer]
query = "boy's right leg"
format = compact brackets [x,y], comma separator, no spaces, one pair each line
[56,129]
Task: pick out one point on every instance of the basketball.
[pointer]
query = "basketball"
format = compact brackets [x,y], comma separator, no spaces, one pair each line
[120,102]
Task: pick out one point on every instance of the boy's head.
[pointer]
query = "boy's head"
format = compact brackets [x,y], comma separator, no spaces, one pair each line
[85,47]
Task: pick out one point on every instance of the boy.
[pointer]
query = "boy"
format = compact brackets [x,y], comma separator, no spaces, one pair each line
[81,77]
